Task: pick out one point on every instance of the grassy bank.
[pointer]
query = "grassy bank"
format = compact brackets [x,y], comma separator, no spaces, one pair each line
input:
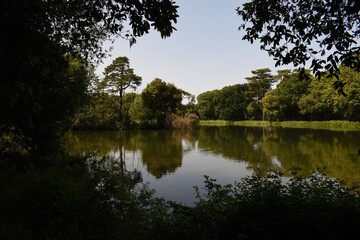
[331,125]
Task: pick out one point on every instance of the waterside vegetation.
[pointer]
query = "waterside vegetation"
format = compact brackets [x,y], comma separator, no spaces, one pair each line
[48,53]
[335,125]
[296,101]
[92,198]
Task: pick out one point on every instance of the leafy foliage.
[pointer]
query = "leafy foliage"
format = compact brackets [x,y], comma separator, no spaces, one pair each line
[81,26]
[297,96]
[206,103]
[257,86]
[101,112]
[156,106]
[281,104]
[45,50]
[119,77]
[325,32]
[162,99]
[323,103]
[87,198]
[264,206]
[92,198]
[227,103]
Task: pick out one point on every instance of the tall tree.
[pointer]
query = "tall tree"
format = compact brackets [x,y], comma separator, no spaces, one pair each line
[230,104]
[288,93]
[256,88]
[162,99]
[37,90]
[318,103]
[348,107]
[139,114]
[324,32]
[119,77]
[271,106]
[206,103]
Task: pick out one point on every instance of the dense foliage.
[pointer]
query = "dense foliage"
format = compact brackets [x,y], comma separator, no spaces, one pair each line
[46,47]
[282,103]
[45,64]
[162,99]
[159,105]
[119,77]
[297,96]
[101,112]
[323,32]
[45,194]
[227,103]
[93,198]
[267,207]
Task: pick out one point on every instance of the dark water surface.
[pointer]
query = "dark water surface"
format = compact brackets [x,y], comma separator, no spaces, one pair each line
[172,162]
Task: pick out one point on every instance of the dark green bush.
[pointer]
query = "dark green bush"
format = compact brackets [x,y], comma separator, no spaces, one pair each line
[92,198]
[271,207]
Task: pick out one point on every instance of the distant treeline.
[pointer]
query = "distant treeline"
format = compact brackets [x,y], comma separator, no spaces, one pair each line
[295,97]
[286,96]
[159,105]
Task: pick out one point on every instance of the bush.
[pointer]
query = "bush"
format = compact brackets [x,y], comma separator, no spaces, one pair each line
[78,198]
[92,198]
[189,121]
[269,207]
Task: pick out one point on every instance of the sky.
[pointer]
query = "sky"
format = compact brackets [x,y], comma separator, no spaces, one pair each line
[205,53]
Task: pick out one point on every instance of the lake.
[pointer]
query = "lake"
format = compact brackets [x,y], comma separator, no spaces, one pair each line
[173,161]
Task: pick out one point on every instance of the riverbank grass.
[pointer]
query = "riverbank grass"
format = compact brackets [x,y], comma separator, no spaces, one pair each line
[331,125]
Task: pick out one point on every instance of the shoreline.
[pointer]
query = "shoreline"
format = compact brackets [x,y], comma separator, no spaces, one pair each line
[338,125]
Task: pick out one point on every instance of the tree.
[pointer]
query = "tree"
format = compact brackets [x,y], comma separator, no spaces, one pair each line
[206,103]
[256,88]
[37,91]
[287,95]
[139,114]
[348,107]
[317,104]
[119,77]
[230,104]
[188,105]
[81,26]
[325,32]
[162,99]
[99,113]
[271,106]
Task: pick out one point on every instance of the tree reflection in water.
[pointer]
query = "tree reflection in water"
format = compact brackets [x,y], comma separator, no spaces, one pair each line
[162,152]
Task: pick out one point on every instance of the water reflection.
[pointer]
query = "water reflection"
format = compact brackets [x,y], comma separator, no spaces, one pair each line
[162,153]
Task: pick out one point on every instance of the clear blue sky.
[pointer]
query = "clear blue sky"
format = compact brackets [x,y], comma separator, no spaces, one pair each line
[205,53]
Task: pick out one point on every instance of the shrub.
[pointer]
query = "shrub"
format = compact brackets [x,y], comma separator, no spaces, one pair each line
[189,121]
[92,198]
[270,207]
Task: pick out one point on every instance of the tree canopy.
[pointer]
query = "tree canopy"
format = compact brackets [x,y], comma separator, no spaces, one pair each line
[82,25]
[40,87]
[294,97]
[162,99]
[257,86]
[119,77]
[323,32]
[228,103]
[281,104]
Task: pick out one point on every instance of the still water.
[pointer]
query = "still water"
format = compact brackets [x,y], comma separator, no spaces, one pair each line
[172,162]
